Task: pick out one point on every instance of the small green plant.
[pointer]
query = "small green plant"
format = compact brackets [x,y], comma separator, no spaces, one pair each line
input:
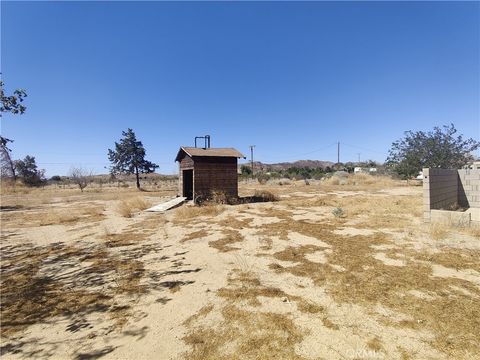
[338,212]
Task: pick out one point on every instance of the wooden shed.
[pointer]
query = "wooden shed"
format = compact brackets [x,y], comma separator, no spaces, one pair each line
[203,171]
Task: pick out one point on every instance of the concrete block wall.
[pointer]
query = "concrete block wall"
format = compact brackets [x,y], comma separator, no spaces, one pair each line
[469,188]
[445,188]
[440,190]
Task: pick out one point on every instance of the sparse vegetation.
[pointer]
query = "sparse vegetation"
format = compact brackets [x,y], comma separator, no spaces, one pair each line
[292,270]
[185,213]
[128,207]
[338,212]
[80,177]
[265,196]
[228,237]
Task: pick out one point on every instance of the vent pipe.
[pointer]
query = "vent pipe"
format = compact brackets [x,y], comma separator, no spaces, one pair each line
[207,141]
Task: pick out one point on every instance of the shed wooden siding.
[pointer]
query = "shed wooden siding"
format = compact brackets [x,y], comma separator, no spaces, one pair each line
[215,174]
[210,174]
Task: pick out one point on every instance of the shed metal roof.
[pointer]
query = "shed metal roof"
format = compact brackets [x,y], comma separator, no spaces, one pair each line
[213,152]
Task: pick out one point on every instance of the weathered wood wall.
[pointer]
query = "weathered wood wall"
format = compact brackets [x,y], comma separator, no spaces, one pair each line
[210,174]
[215,174]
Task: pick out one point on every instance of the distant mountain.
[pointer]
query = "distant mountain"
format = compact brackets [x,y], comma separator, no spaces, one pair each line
[313,164]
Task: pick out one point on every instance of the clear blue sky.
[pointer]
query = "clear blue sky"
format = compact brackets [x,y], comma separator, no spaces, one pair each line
[291,78]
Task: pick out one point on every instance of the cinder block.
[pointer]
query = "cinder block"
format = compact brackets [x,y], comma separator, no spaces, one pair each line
[472,177]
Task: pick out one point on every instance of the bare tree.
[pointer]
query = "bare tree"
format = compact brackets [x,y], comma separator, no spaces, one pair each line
[80,176]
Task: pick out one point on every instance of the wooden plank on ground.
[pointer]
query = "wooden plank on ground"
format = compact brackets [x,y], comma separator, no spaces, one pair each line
[167,205]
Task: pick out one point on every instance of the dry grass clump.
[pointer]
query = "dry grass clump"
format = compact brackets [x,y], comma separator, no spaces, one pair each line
[28,297]
[309,307]
[65,216]
[246,288]
[128,207]
[439,231]
[229,237]
[265,243]
[195,235]
[40,283]
[361,180]
[283,228]
[185,213]
[14,188]
[473,230]
[320,201]
[333,180]
[368,281]
[129,275]
[18,217]
[204,311]
[123,239]
[452,258]
[235,222]
[378,212]
[218,197]
[265,196]
[149,223]
[244,334]
[57,217]
[297,253]
[375,344]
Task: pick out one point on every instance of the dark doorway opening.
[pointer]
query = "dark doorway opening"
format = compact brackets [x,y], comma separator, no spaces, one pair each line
[188,184]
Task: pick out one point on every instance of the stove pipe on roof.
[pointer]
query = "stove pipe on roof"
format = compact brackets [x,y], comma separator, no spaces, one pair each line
[207,141]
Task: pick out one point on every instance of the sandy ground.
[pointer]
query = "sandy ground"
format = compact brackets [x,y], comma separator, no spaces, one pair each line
[296,278]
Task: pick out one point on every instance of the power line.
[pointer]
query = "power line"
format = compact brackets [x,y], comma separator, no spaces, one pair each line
[306,153]
[363,148]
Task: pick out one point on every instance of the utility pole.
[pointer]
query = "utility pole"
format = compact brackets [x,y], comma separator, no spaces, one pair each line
[251,155]
[338,154]
[359,157]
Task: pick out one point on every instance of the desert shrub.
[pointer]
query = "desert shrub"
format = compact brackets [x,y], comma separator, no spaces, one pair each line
[246,170]
[263,178]
[265,196]
[190,212]
[338,212]
[333,180]
[127,208]
[359,179]
[284,182]
[218,197]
